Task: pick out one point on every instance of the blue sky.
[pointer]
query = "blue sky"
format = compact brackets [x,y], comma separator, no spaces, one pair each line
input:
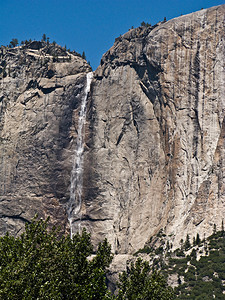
[86,25]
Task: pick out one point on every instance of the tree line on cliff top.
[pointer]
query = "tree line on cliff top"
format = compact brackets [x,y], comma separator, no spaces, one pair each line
[15,42]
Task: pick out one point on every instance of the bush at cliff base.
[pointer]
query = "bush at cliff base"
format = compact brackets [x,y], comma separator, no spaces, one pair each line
[41,265]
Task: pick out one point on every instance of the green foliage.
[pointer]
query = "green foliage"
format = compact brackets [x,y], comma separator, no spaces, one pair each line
[138,283]
[187,243]
[44,37]
[146,249]
[199,268]
[14,42]
[179,252]
[203,278]
[39,265]
[197,241]
[145,24]
[83,55]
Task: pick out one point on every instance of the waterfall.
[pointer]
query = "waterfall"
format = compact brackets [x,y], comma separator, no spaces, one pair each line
[76,180]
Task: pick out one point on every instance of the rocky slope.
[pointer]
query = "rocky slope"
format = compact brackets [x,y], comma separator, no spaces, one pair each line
[154,143]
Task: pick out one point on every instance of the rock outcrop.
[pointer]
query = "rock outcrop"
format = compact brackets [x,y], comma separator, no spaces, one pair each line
[154,142]
[156,133]
[41,90]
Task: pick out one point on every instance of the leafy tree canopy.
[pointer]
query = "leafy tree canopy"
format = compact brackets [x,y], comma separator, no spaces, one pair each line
[39,265]
[138,283]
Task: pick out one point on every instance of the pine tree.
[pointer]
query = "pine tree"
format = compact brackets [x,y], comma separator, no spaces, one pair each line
[83,55]
[14,42]
[198,240]
[44,37]
[138,282]
[194,241]
[187,244]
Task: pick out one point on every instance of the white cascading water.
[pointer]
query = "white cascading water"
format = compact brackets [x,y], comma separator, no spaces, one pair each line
[76,185]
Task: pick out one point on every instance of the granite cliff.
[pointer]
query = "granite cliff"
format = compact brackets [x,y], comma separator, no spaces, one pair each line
[154,135]
[41,89]
[156,155]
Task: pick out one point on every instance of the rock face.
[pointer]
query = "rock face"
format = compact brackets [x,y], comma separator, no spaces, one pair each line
[39,101]
[156,133]
[154,142]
